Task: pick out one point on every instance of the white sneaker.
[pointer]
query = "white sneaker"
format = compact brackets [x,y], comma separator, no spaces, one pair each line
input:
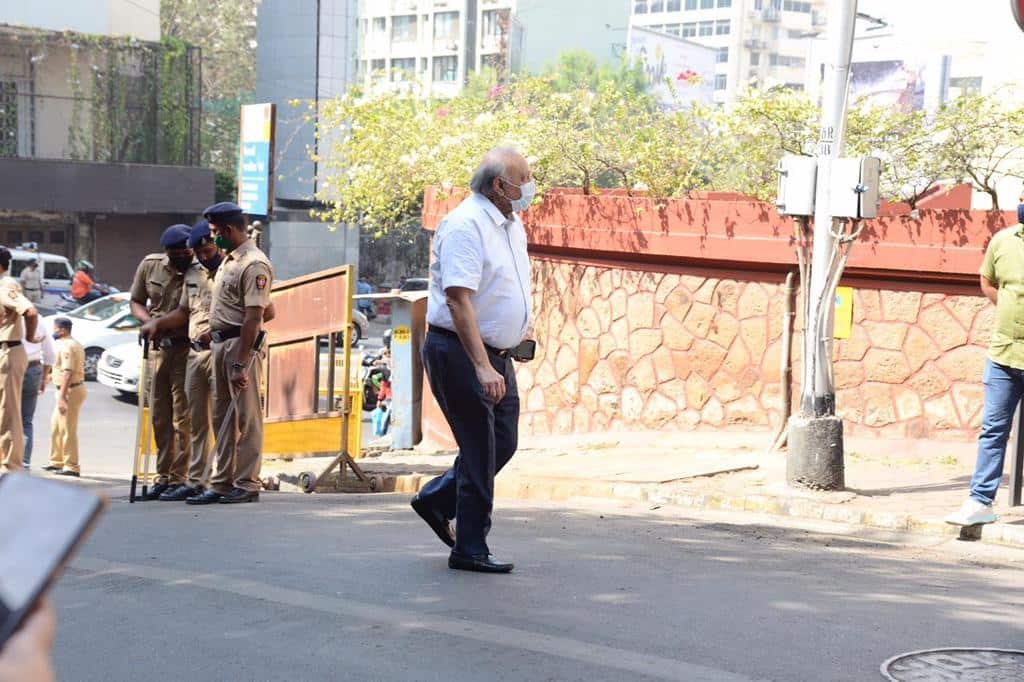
[972,513]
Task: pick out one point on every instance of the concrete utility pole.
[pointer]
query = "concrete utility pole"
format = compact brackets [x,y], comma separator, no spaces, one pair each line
[816,434]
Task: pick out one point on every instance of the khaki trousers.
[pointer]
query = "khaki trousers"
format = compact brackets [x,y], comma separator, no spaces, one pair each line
[239,455]
[64,430]
[199,387]
[170,415]
[13,363]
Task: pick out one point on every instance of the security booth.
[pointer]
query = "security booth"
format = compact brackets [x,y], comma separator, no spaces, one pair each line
[408,329]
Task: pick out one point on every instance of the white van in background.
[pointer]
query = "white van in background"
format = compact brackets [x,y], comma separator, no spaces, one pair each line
[56,270]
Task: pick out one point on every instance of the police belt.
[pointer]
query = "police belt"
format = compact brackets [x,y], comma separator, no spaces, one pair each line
[74,385]
[222,335]
[9,344]
[199,346]
[175,342]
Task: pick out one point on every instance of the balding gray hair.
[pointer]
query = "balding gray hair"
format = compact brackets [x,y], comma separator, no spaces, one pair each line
[494,165]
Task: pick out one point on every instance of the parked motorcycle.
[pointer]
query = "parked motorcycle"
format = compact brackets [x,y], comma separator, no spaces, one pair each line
[67,303]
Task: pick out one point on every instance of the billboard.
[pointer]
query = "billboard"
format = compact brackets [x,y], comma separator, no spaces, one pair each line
[894,83]
[256,159]
[688,66]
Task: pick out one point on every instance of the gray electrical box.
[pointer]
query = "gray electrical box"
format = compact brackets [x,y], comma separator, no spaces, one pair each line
[798,176]
[854,187]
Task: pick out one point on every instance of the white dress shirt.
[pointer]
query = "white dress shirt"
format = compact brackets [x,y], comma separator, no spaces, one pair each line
[45,351]
[478,248]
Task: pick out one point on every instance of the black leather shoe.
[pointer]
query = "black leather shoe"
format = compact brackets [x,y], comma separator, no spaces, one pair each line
[50,467]
[238,495]
[156,491]
[180,494]
[435,519]
[208,497]
[68,472]
[482,563]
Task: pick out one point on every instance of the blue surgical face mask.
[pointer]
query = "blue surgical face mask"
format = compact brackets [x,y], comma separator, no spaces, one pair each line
[528,192]
[1020,213]
[56,336]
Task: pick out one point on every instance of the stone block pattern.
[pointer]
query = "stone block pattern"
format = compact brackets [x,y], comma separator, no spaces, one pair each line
[629,349]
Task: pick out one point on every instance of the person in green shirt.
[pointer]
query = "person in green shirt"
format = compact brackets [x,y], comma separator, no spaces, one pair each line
[1002,282]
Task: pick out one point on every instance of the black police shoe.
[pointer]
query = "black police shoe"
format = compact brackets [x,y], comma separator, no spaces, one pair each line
[180,494]
[156,491]
[238,495]
[441,526]
[208,497]
[50,467]
[68,472]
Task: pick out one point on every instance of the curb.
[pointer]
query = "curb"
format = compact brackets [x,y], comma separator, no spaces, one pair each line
[563,489]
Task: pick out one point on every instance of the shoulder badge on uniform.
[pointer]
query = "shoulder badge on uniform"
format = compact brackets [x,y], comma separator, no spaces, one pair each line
[261,281]
[12,293]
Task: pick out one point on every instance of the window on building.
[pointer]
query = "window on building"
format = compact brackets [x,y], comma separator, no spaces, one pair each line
[720,81]
[960,87]
[403,29]
[725,3]
[37,236]
[673,29]
[785,60]
[8,119]
[640,7]
[755,58]
[377,65]
[657,6]
[707,4]
[689,30]
[379,25]
[403,69]
[494,23]
[446,69]
[706,28]
[56,236]
[673,5]
[15,237]
[423,64]
[659,28]
[691,4]
[722,27]
[446,27]
[795,6]
[722,56]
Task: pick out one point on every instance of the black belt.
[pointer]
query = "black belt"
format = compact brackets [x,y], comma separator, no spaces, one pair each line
[9,344]
[452,335]
[222,335]
[75,385]
[34,363]
[175,342]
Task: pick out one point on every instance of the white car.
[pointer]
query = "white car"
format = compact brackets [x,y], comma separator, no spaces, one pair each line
[56,274]
[99,325]
[119,367]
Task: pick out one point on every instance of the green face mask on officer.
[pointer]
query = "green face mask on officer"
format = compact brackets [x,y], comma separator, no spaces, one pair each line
[222,243]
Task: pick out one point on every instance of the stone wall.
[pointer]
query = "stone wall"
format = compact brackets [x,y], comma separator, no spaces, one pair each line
[628,348]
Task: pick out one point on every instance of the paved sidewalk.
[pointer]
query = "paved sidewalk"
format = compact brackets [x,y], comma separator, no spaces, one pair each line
[906,486]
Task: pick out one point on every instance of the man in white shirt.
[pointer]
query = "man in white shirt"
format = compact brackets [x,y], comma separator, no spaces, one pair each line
[41,357]
[478,313]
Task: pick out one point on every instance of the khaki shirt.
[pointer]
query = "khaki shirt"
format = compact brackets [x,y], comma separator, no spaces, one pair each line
[243,281]
[196,296]
[1004,266]
[70,355]
[159,282]
[32,279]
[13,305]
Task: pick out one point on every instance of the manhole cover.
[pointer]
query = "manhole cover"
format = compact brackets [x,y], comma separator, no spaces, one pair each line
[977,665]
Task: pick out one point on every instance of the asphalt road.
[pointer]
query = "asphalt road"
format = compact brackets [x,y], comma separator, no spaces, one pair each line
[356,587]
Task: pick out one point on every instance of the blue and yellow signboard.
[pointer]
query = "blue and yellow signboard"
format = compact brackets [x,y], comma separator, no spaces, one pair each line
[844,312]
[256,159]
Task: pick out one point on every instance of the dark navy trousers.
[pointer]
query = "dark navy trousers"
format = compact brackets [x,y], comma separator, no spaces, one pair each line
[487,434]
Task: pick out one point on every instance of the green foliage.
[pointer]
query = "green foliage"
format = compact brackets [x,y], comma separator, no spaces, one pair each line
[578,70]
[225,186]
[580,129]
[226,32]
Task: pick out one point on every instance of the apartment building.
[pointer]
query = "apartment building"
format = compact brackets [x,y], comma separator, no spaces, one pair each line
[432,46]
[760,43]
[99,132]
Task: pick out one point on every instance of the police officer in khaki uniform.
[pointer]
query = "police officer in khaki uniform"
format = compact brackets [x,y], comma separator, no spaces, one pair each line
[32,282]
[69,379]
[194,310]
[13,362]
[160,280]
[241,294]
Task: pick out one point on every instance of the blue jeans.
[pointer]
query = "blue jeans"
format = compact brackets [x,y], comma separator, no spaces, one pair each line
[29,395]
[1004,387]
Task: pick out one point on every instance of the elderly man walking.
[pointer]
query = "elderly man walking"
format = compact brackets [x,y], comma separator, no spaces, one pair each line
[478,314]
